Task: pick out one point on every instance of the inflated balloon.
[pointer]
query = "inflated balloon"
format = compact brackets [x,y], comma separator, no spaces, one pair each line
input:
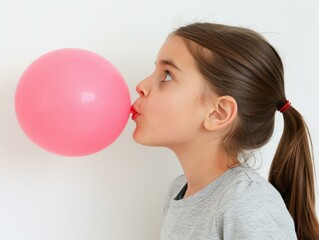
[72,102]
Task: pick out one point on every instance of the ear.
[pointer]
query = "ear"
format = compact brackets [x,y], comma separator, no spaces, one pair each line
[222,114]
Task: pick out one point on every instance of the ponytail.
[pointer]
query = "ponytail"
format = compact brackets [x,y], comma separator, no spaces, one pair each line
[292,174]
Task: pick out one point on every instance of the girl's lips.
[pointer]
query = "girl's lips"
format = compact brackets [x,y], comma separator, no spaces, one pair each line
[133,110]
[135,114]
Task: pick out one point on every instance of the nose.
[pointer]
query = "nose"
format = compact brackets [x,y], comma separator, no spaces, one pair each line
[142,89]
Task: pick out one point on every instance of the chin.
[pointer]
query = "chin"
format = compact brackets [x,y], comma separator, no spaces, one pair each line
[146,142]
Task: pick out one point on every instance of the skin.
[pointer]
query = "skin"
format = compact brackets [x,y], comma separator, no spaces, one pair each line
[174,111]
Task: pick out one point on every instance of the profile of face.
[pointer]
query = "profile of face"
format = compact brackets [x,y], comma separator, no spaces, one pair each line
[170,110]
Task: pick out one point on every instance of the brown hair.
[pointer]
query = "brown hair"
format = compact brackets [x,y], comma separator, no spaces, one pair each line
[240,63]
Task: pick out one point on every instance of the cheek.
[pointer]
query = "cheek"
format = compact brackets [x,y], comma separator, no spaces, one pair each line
[154,126]
[168,118]
[175,117]
[166,108]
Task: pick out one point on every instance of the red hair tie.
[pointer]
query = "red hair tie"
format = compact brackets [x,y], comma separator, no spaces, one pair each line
[285,107]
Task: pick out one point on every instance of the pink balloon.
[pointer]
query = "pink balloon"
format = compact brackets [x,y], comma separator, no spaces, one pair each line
[72,102]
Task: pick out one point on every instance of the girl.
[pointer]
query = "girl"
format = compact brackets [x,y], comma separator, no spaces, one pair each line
[213,96]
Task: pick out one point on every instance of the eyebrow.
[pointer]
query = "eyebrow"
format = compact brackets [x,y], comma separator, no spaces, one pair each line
[169,62]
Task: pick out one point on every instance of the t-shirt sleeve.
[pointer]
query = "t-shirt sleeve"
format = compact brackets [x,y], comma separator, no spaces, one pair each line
[250,211]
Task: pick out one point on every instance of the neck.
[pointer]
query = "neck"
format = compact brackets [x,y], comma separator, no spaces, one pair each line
[202,164]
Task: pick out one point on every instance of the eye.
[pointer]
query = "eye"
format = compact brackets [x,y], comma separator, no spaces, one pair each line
[168,76]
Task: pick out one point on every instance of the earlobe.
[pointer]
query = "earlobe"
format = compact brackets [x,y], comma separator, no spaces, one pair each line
[222,114]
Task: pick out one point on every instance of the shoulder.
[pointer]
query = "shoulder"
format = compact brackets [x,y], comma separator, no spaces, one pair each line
[251,206]
[245,183]
[247,189]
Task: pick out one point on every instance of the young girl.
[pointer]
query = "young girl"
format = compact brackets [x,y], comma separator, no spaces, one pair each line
[213,96]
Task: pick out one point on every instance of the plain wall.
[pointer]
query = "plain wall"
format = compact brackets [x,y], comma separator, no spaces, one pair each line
[119,192]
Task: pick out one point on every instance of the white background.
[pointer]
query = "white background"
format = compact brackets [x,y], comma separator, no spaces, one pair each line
[118,193]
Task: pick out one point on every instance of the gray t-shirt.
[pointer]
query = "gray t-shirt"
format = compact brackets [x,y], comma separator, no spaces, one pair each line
[238,205]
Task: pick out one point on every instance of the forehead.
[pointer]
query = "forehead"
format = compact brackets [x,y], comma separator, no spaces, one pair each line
[175,49]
